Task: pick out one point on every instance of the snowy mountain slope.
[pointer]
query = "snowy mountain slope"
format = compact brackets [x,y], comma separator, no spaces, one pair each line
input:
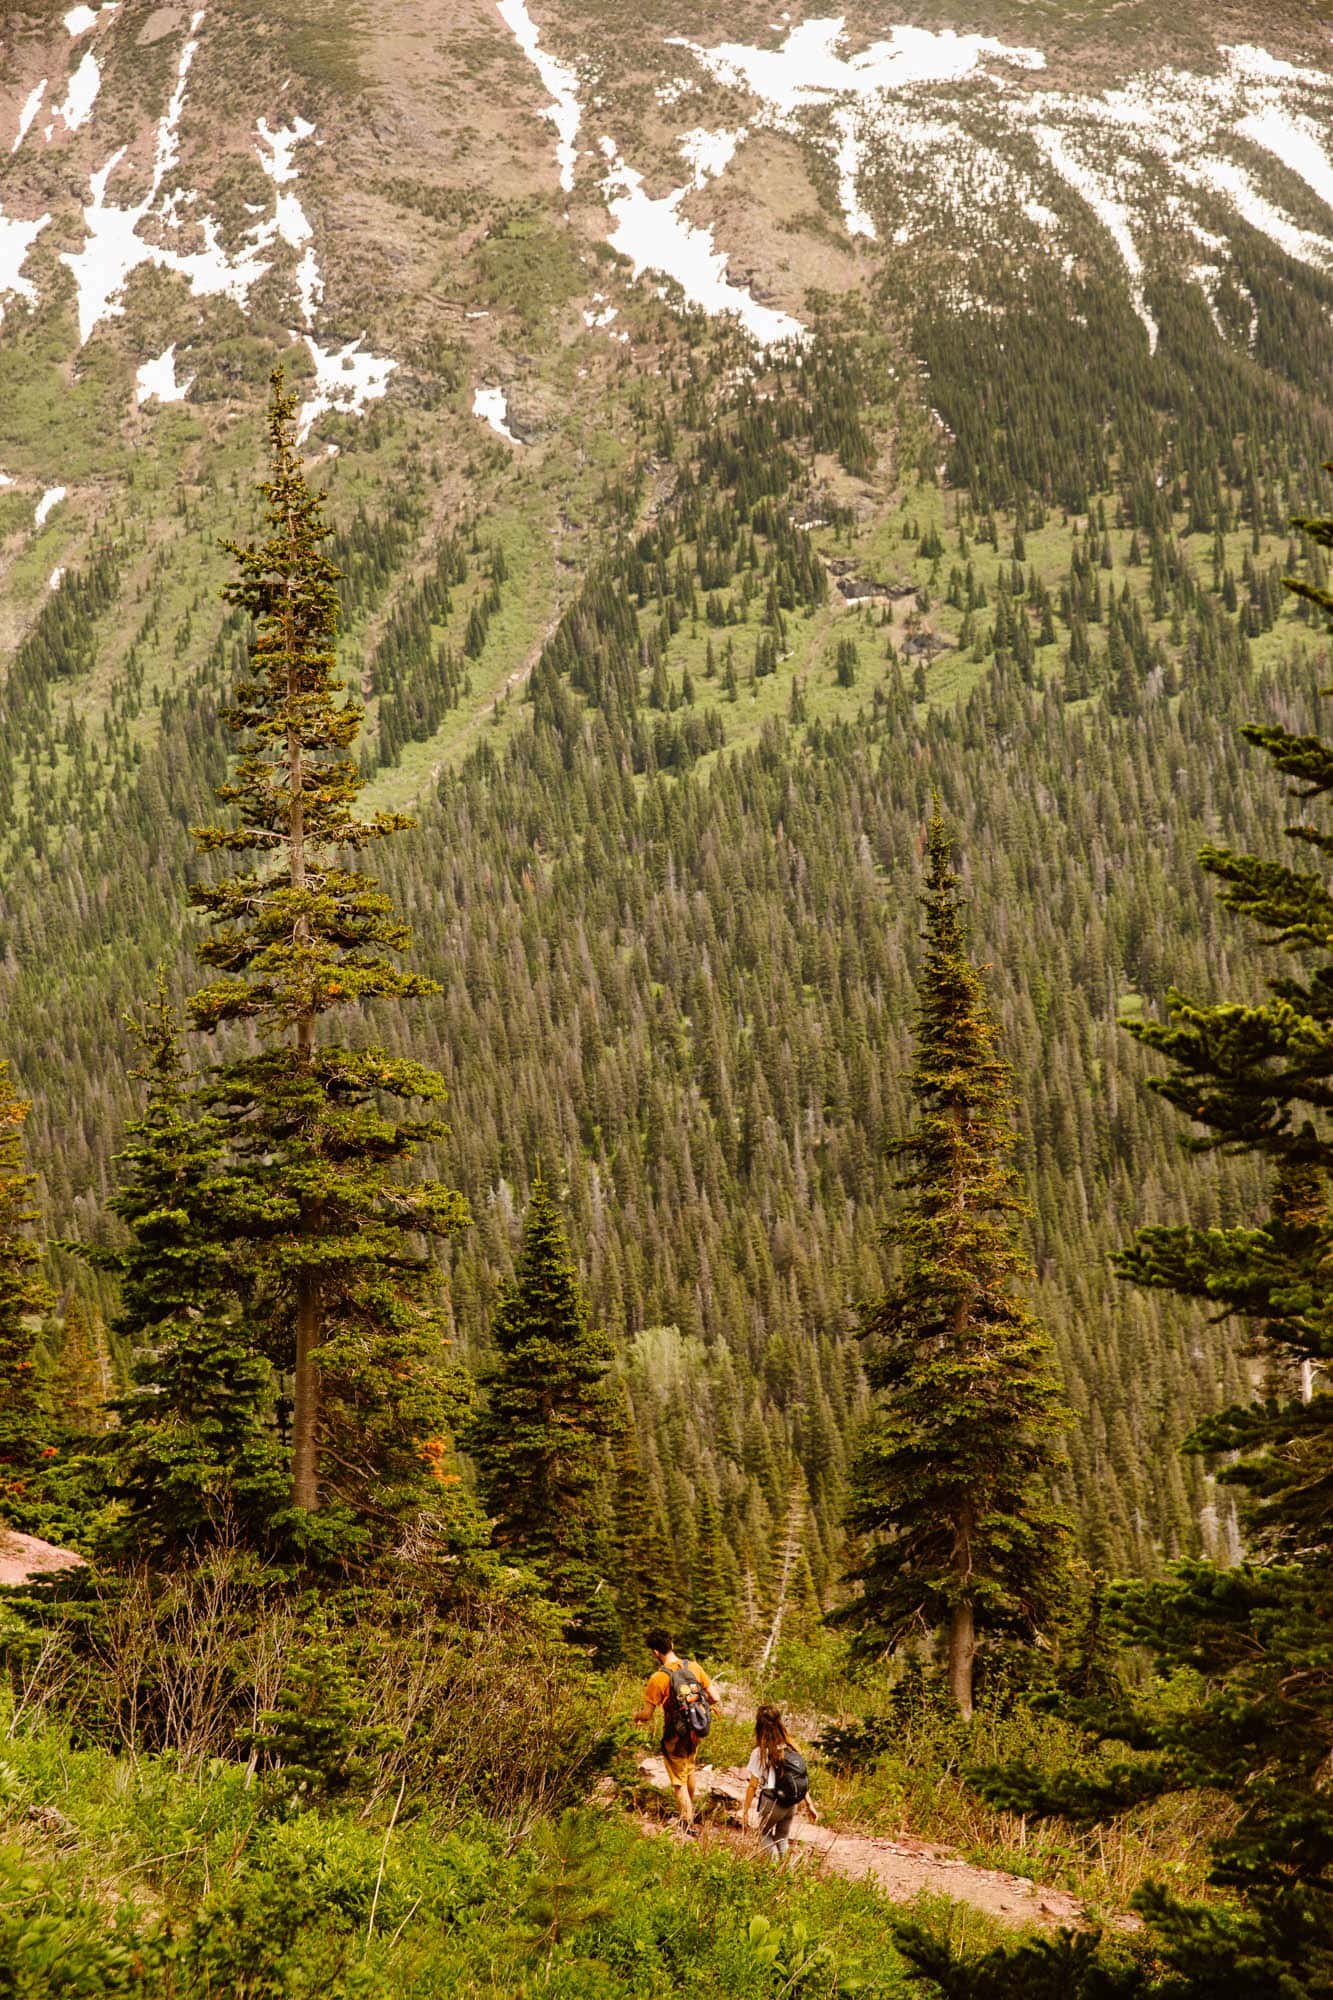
[961,137]
[920,134]
[460,215]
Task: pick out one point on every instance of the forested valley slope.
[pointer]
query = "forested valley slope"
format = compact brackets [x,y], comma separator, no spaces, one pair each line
[739,444]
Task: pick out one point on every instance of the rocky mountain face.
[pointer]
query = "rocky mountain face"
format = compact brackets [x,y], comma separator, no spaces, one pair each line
[182,184]
[809,410]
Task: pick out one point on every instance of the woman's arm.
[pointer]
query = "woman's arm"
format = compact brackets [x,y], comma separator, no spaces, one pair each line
[750,1789]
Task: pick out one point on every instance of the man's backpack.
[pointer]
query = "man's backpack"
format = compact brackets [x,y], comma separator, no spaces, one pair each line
[689,1711]
[790,1781]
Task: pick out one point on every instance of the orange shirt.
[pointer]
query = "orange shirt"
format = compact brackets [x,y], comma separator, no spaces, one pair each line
[659,1685]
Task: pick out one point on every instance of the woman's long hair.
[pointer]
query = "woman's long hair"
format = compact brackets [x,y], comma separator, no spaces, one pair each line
[770,1736]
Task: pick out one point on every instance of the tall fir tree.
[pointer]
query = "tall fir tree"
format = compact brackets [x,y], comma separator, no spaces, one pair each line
[25,1428]
[196,1456]
[640,1554]
[712,1602]
[540,1441]
[80,1377]
[1257,1639]
[952,1490]
[328,1225]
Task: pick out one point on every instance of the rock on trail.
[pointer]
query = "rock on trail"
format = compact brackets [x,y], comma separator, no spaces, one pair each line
[904,1869]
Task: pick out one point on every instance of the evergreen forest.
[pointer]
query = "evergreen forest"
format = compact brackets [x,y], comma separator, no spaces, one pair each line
[701,1013]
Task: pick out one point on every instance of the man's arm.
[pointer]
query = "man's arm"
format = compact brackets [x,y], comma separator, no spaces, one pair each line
[653,1699]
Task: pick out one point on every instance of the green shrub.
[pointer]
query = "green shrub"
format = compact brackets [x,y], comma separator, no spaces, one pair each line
[58,1944]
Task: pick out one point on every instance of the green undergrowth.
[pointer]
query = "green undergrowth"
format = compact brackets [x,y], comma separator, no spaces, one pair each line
[124,1876]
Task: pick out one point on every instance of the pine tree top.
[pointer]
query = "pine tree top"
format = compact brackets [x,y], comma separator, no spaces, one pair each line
[964,1136]
[544,1317]
[298,934]
[289,588]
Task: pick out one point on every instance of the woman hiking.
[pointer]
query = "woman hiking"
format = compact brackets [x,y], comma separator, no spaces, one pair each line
[777,1771]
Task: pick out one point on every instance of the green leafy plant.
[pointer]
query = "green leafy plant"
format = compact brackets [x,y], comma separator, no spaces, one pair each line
[797,1959]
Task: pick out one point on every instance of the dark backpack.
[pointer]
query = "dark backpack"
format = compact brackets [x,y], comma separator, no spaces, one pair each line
[791,1780]
[689,1711]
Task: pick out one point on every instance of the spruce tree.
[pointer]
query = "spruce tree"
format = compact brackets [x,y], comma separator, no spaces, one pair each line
[711,1602]
[1257,1638]
[640,1557]
[952,1488]
[196,1455]
[80,1375]
[327,1226]
[540,1441]
[25,1442]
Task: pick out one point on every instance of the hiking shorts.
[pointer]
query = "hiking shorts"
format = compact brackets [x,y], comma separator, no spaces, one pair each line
[680,1763]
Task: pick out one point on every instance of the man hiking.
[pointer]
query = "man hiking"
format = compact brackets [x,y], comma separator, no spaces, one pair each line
[684,1693]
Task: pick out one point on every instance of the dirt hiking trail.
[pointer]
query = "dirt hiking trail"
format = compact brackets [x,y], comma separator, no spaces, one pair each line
[901,1869]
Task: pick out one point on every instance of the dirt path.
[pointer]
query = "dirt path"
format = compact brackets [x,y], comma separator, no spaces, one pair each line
[902,1869]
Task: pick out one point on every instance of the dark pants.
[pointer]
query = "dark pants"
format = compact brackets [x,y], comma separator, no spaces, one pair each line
[775,1827]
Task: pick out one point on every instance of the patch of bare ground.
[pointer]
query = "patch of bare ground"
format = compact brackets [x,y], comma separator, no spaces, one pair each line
[765,218]
[901,1870]
[24,1557]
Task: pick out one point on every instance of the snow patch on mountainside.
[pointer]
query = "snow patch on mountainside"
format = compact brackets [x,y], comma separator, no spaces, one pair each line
[807,70]
[492,406]
[80,19]
[31,106]
[1295,142]
[345,381]
[80,97]
[708,154]
[1225,178]
[564,110]
[655,236]
[847,158]
[290,223]
[1111,213]
[47,505]
[156,380]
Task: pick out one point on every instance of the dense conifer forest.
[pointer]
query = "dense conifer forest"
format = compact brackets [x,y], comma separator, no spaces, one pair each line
[703,1012]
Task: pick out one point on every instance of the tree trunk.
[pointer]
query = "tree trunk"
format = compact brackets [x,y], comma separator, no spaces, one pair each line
[305,1396]
[962,1652]
[305,1386]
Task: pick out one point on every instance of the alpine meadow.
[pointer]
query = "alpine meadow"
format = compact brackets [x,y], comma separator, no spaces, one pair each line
[666,1001]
